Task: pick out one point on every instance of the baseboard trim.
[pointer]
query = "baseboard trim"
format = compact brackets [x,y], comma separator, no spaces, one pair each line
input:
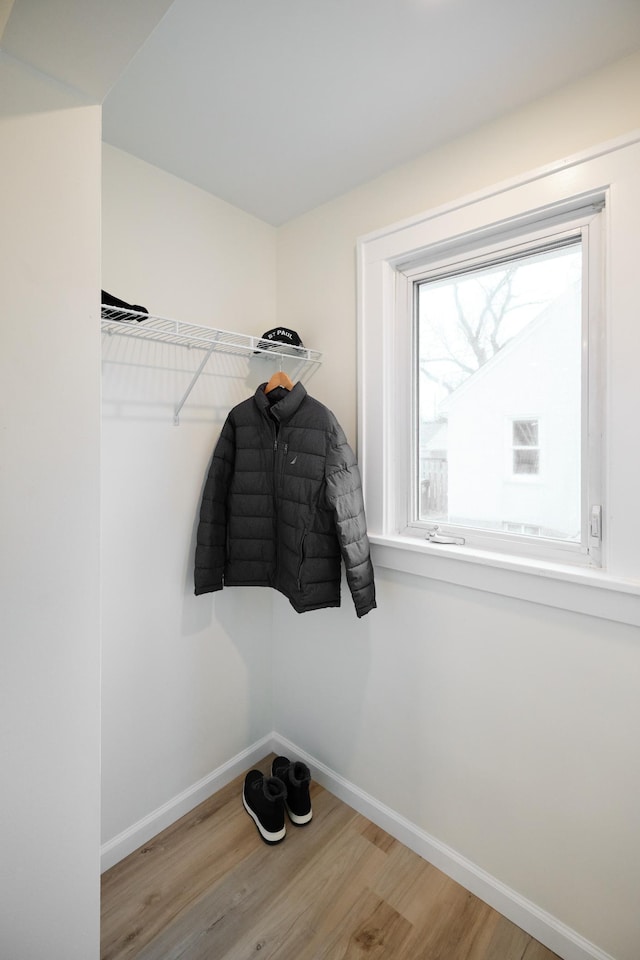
[133,837]
[550,931]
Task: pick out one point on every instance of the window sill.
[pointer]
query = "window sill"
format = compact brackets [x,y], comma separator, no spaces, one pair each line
[587,591]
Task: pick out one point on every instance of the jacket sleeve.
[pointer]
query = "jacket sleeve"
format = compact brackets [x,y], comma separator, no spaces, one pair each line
[344,496]
[211,541]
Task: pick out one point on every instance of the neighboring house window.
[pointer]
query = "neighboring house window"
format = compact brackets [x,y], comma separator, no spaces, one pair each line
[525,459]
[523,528]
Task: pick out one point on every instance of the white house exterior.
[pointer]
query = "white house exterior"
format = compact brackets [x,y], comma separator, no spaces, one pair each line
[520,383]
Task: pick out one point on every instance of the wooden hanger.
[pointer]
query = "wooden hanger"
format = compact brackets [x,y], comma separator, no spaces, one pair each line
[279,379]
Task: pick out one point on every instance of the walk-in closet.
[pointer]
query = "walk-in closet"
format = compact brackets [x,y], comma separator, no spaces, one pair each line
[472,738]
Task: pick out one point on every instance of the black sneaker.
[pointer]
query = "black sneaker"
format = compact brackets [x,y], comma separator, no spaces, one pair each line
[296,777]
[263,799]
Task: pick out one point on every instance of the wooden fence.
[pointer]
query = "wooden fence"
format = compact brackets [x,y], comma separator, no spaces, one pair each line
[434,487]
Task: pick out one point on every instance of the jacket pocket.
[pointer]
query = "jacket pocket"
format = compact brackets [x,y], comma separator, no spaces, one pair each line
[302,557]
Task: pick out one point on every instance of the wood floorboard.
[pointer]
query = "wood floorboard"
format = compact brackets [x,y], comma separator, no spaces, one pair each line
[339,888]
[509,942]
[256,899]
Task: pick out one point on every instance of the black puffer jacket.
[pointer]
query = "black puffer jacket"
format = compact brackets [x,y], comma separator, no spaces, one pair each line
[283,504]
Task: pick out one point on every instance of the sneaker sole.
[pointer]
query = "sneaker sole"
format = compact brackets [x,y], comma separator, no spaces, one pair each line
[267,836]
[297,819]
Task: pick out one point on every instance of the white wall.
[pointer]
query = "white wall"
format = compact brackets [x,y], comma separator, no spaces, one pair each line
[49,520]
[186,680]
[513,740]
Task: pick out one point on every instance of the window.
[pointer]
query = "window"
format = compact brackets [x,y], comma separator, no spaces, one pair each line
[494,337]
[489,382]
[588,207]
[499,328]
[526,447]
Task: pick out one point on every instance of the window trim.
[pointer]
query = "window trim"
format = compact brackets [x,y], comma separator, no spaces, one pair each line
[608,171]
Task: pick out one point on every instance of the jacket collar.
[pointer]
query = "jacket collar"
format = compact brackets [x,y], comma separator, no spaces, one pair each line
[283,409]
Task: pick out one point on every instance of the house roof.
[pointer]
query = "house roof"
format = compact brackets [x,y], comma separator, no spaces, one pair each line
[506,353]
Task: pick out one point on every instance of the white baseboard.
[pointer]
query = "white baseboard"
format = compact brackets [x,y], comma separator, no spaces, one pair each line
[537,922]
[133,837]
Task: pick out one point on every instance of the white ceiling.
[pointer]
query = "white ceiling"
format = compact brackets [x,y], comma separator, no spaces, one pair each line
[279,105]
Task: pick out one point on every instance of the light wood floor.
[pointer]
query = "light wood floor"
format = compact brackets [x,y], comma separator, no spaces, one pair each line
[208,888]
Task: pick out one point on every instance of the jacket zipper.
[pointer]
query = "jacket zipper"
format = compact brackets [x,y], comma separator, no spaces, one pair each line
[279,449]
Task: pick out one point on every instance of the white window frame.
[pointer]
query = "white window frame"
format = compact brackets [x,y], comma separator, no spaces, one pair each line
[609,174]
[526,231]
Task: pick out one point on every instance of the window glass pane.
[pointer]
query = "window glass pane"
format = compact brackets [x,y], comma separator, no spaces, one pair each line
[525,461]
[525,433]
[495,343]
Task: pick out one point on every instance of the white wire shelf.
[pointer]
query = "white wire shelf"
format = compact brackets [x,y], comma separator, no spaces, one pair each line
[116,321]
[130,323]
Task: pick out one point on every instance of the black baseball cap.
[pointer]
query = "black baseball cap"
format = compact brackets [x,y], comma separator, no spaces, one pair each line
[278,335]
